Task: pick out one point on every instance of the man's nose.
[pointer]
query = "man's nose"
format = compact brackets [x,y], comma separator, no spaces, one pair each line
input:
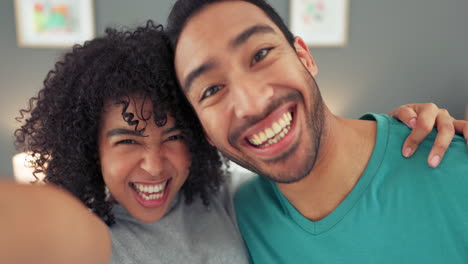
[250,97]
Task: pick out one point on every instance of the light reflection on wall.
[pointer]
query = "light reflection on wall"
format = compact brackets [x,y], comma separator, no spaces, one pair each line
[338,101]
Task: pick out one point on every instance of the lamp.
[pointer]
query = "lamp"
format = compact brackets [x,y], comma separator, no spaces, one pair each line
[23,168]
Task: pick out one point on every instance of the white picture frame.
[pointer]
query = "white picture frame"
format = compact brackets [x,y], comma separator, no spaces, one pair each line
[321,23]
[54,23]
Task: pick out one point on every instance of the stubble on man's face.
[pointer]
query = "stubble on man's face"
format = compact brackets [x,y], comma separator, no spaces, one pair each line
[281,72]
[315,124]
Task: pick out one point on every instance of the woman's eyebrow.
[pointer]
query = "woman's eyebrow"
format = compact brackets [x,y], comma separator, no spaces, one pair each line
[123,131]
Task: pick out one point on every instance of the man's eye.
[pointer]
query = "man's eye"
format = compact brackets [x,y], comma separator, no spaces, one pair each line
[126,141]
[260,55]
[210,91]
[175,137]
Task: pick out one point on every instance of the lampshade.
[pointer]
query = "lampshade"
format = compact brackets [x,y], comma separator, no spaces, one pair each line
[22,169]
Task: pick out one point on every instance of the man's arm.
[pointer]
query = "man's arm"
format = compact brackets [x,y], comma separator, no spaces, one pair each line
[43,224]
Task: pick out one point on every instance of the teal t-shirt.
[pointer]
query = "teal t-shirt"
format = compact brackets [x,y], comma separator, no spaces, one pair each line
[400,211]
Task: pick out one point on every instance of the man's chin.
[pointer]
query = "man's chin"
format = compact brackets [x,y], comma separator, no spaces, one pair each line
[291,166]
[289,176]
[279,172]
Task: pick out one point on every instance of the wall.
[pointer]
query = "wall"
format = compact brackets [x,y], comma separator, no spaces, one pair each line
[22,70]
[398,52]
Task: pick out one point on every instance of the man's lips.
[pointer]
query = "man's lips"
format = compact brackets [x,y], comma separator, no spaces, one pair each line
[252,125]
[273,134]
[270,130]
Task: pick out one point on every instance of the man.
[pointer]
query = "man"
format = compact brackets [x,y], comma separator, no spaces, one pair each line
[333,190]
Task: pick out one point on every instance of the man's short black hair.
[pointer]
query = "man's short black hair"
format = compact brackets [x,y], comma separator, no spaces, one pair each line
[183,10]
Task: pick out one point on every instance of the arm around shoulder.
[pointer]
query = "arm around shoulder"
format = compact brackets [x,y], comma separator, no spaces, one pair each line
[44,224]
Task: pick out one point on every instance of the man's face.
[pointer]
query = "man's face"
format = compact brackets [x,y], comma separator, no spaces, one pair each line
[253,93]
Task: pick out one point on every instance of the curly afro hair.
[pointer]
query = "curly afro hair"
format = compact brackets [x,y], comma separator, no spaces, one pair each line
[61,125]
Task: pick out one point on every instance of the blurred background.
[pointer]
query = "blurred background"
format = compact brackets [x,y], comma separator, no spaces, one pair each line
[398,52]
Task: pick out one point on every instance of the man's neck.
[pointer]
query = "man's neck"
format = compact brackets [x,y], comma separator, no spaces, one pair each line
[345,150]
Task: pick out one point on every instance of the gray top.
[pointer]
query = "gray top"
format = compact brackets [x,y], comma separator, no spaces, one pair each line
[190,233]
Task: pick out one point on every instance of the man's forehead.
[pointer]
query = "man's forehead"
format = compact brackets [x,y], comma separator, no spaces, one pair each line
[225,14]
[213,28]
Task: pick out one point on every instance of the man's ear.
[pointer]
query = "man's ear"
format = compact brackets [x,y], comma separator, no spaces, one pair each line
[304,55]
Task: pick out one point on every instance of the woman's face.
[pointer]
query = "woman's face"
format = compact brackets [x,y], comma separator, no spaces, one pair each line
[143,171]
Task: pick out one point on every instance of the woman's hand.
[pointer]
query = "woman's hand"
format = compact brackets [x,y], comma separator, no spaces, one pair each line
[423,118]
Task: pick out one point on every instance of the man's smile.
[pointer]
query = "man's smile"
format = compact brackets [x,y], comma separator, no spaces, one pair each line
[274,134]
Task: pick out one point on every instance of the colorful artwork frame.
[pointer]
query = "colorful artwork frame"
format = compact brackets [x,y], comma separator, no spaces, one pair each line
[321,23]
[54,23]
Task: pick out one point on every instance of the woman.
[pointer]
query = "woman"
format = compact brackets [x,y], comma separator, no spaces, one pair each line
[111,117]
[111,127]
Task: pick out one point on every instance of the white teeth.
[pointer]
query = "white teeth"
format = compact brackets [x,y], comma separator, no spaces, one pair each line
[269,132]
[263,137]
[150,192]
[276,128]
[151,196]
[257,140]
[274,134]
[282,123]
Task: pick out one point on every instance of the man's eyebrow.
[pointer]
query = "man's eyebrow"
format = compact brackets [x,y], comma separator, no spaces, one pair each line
[123,131]
[171,129]
[197,72]
[236,42]
[249,32]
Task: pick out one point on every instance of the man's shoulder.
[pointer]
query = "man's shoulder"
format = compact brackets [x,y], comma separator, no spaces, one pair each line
[253,191]
[248,190]
[414,172]
[393,133]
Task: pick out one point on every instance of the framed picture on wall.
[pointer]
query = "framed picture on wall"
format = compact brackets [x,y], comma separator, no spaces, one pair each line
[320,22]
[54,23]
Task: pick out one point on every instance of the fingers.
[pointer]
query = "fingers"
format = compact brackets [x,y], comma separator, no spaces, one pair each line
[405,114]
[445,133]
[423,118]
[461,127]
[427,115]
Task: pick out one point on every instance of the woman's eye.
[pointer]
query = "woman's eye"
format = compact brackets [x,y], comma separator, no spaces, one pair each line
[210,91]
[260,55]
[126,141]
